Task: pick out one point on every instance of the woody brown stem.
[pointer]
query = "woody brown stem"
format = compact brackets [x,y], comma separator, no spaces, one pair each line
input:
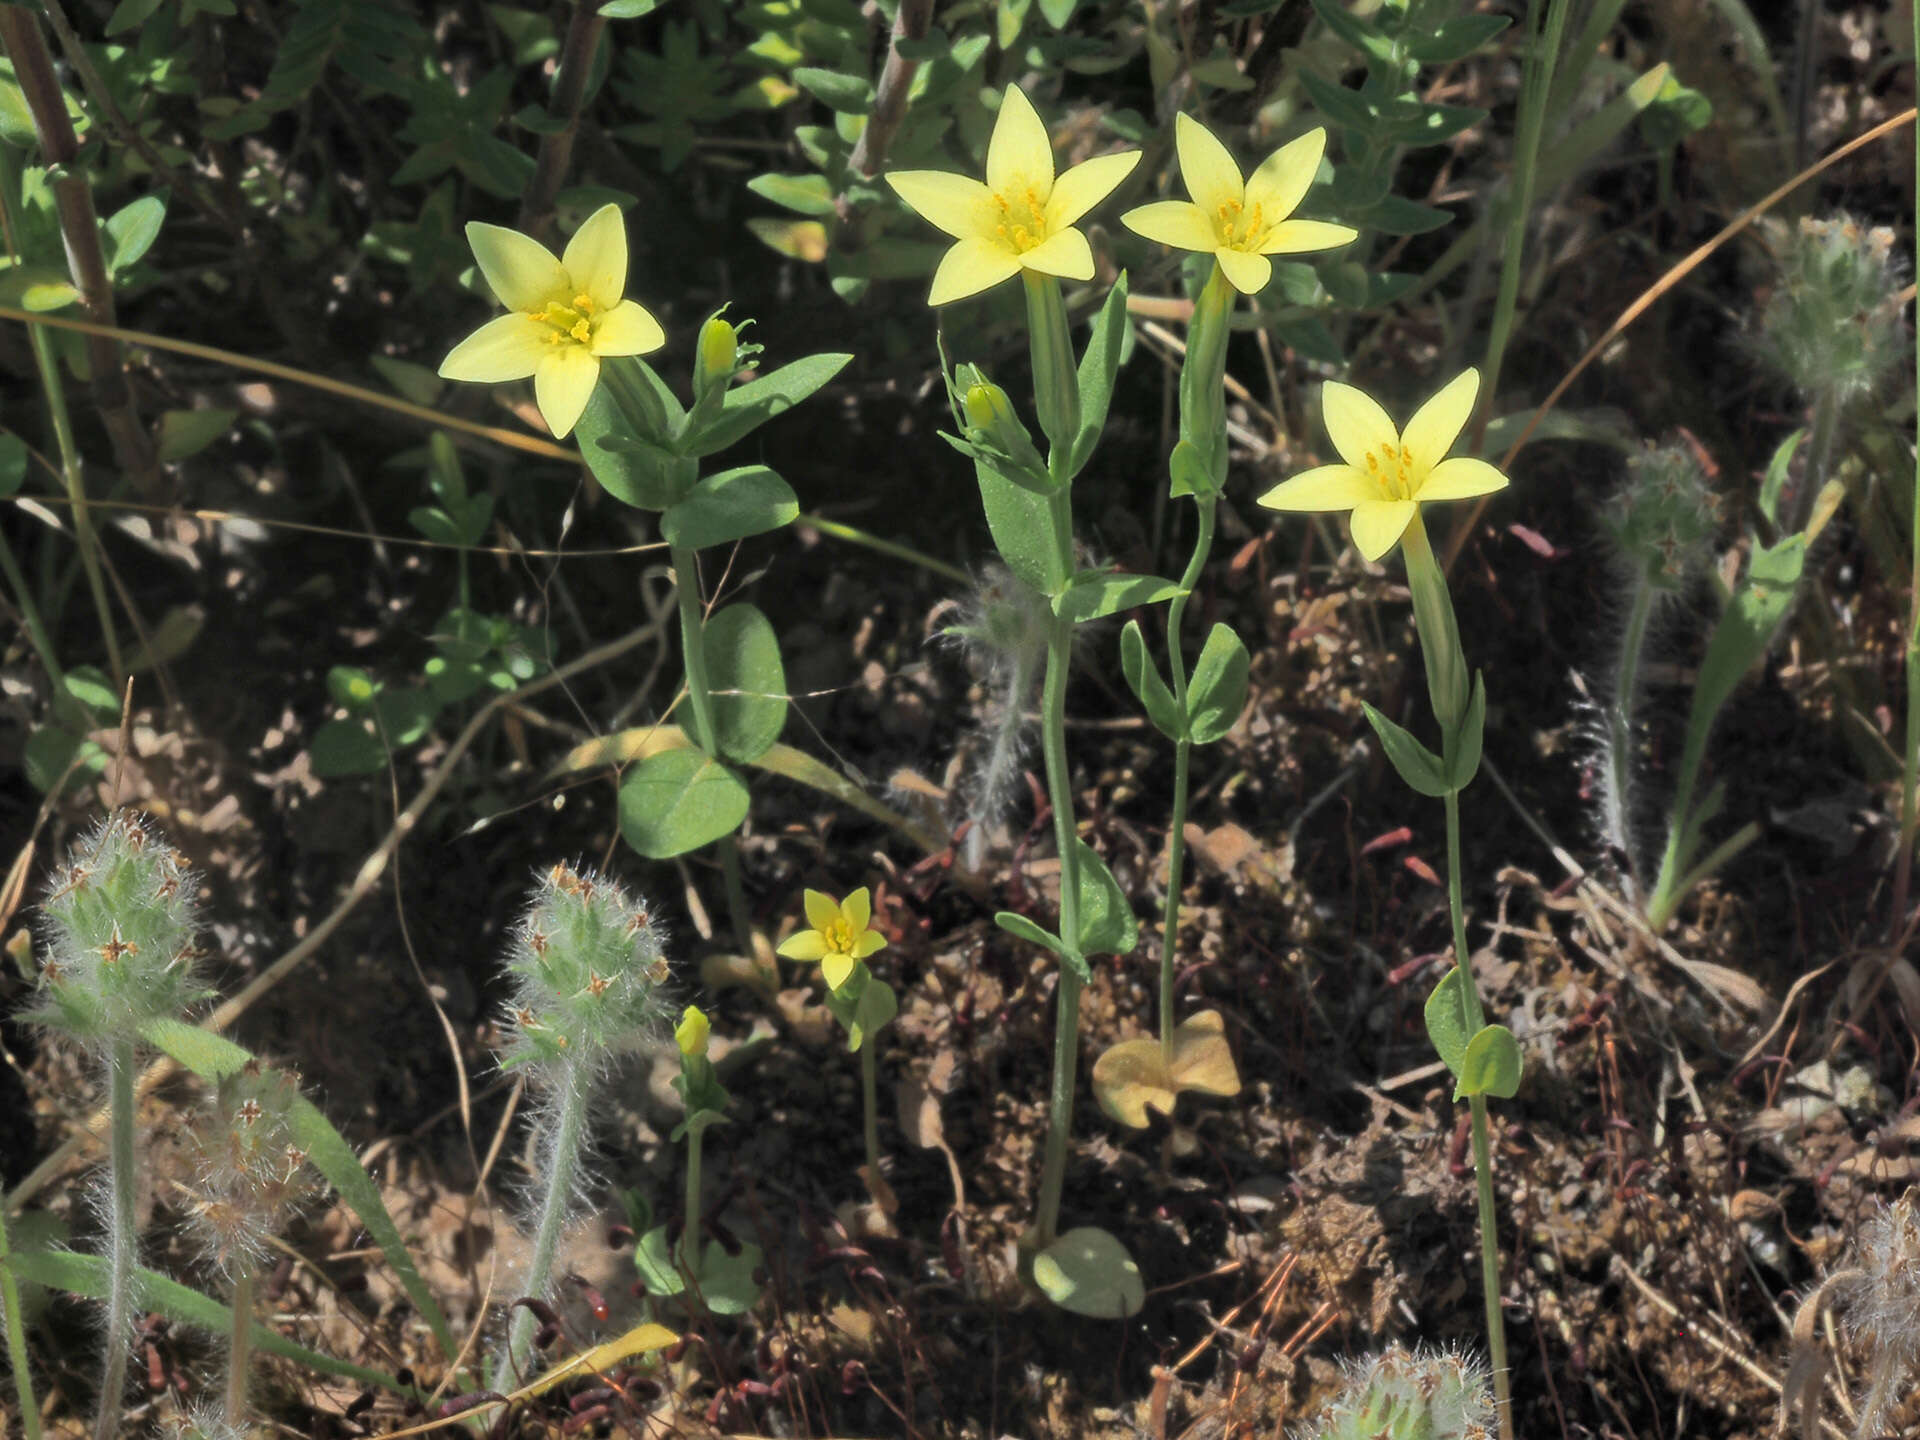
[80,231]
[569,94]
[890,99]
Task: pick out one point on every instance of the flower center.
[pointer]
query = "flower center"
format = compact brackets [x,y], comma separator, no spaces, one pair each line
[1238,227]
[568,323]
[839,937]
[1023,217]
[1391,468]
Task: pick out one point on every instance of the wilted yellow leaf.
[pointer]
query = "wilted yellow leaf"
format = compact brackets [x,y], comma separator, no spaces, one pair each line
[1133,1076]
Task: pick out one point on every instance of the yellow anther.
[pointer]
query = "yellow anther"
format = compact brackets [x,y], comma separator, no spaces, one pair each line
[584,304]
[582,331]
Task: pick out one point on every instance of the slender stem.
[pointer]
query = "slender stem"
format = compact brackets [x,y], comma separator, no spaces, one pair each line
[17,1360]
[1910,778]
[693,650]
[122,1240]
[870,1094]
[1482,1147]
[1066,1031]
[1620,725]
[1205,506]
[584,28]
[1826,430]
[240,1351]
[30,617]
[561,1152]
[910,23]
[1543,51]
[690,1226]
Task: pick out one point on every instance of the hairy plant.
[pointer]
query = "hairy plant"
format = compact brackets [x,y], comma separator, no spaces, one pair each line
[588,983]
[1403,1394]
[120,951]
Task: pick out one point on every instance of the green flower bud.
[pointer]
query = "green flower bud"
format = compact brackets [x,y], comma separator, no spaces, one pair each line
[716,355]
[992,423]
[251,1169]
[692,1032]
[1663,519]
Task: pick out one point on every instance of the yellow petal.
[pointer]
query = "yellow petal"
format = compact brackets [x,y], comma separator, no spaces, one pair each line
[627,329]
[1086,185]
[1379,524]
[1294,237]
[836,969]
[871,942]
[1461,478]
[1355,423]
[970,267]
[1019,154]
[857,908]
[958,204]
[562,386]
[1248,274]
[822,909]
[804,945]
[1173,222]
[1212,178]
[1066,254]
[507,347]
[1329,487]
[1280,183]
[1438,423]
[519,269]
[596,257]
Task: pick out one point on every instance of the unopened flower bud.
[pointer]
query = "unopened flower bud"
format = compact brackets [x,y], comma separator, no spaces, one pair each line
[692,1032]
[716,355]
[993,424]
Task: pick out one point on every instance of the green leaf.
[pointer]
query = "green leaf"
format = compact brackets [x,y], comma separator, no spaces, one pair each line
[1778,470]
[1492,1065]
[726,1280]
[1058,12]
[89,685]
[751,405]
[749,683]
[404,714]
[131,231]
[1340,105]
[730,506]
[50,754]
[1218,691]
[1418,766]
[212,1057]
[658,1266]
[414,382]
[1107,346]
[130,14]
[1464,763]
[1107,923]
[1022,525]
[634,471]
[806,194]
[1447,1020]
[1143,678]
[1455,39]
[350,686]
[1397,215]
[13,465]
[1090,1273]
[679,800]
[628,9]
[848,94]
[91,1276]
[1023,928]
[346,747]
[875,1009]
[188,432]
[1191,474]
[1434,124]
[1095,594]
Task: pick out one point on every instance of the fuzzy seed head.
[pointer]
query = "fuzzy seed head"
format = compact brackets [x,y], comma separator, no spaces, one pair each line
[1833,324]
[1663,519]
[1403,1394]
[250,1169]
[589,976]
[120,935]
[1003,621]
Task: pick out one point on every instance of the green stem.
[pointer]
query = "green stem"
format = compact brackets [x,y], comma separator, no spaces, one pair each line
[1482,1146]
[1910,777]
[30,617]
[870,1094]
[1056,379]
[122,1240]
[690,1226]
[16,1328]
[1542,53]
[1620,722]
[240,1352]
[693,650]
[1826,430]
[1066,1033]
[562,1155]
[1205,508]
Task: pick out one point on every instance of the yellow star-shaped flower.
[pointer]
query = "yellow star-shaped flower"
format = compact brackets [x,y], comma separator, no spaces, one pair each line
[1240,223]
[837,936]
[1387,474]
[566,315]
[1023,217]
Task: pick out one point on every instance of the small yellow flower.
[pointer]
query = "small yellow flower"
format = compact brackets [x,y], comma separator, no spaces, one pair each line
[838,937]
[1023,217]
[1240,223]
[1387,475]
[692,1031]
[566,315]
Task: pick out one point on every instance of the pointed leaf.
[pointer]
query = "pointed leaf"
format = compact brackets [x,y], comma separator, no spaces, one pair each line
[749,406]
[1464,763]
[1143,678]
[1107,923]
[1095,594]
[730,506]
[1107,346]
[1218,691]
[1447,1021]
[1418,766]
[1022,526]
[1025,929]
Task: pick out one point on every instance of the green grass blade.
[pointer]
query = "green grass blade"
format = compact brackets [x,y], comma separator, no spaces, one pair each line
[211,1056]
